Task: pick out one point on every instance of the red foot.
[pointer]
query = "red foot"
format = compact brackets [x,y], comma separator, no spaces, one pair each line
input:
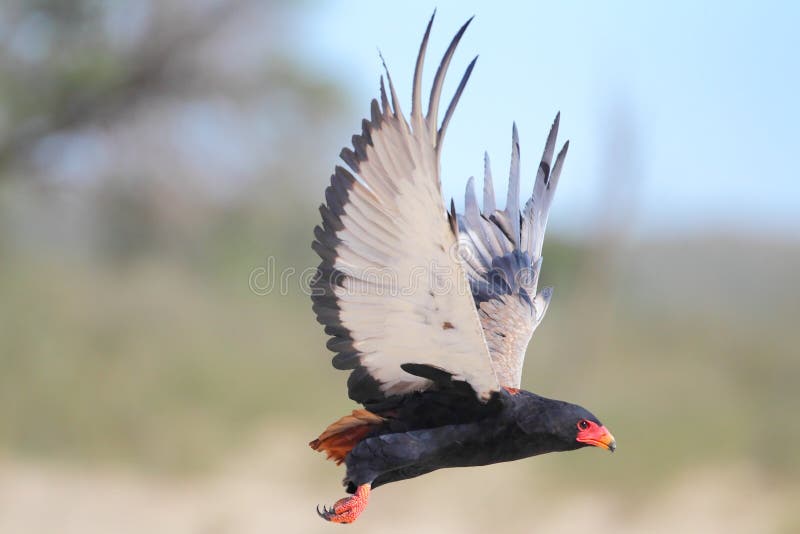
[348,509]
[511,390]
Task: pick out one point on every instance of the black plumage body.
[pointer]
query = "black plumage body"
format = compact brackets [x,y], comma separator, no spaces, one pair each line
[437,429]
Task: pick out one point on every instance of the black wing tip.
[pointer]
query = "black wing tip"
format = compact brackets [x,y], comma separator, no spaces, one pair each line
[452,218]
[417,84]
[385,68]
[515,136]
[433,103]
[468,72]
[460,34]
[556,124]
[346,361]
[431,372]
[456,97]
[462,29]
[364,388]
[430,22]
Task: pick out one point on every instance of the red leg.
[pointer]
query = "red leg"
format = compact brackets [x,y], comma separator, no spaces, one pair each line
[348,509]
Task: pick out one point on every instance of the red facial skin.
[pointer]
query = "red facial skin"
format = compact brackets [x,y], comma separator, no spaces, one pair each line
[597,435]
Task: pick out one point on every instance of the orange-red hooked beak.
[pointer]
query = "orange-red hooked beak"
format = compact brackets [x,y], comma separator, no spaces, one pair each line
[598,436]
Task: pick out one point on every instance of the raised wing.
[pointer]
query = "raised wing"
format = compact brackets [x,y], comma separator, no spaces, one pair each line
[503,254]
[391,289]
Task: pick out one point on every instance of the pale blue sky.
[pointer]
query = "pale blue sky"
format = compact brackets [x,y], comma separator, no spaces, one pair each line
[706,94]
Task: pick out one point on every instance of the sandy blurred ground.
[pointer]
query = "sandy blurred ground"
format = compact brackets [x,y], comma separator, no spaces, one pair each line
[275,486]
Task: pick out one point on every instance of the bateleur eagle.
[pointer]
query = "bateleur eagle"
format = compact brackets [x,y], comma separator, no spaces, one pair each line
[431,311]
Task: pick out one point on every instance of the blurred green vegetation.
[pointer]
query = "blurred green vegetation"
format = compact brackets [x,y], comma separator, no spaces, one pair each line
[128,333]
[167,367]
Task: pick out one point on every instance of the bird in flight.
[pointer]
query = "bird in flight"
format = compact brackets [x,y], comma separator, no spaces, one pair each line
[431,311]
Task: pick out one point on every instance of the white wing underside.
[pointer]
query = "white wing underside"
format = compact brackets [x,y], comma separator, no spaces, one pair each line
[391,288]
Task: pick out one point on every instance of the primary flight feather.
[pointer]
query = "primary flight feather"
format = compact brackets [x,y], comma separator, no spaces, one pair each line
[431,311]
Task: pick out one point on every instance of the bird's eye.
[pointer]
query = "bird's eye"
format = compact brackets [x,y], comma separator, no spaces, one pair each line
[583,424]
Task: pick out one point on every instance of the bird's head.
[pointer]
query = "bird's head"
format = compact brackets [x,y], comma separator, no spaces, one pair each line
[590,431]
[559,425]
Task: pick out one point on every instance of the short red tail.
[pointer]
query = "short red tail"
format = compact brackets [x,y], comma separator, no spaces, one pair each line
[340,437]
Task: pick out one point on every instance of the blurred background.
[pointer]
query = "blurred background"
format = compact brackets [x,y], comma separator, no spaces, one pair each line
[158,160]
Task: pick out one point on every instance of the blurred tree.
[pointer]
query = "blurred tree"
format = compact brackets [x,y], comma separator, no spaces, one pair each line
[158,110]
[142,143]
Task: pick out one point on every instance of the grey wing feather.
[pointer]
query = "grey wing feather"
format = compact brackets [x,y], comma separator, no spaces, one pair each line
[488,186]
[502,251]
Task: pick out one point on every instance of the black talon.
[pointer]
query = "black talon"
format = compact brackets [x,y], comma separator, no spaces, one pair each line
[325,513]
